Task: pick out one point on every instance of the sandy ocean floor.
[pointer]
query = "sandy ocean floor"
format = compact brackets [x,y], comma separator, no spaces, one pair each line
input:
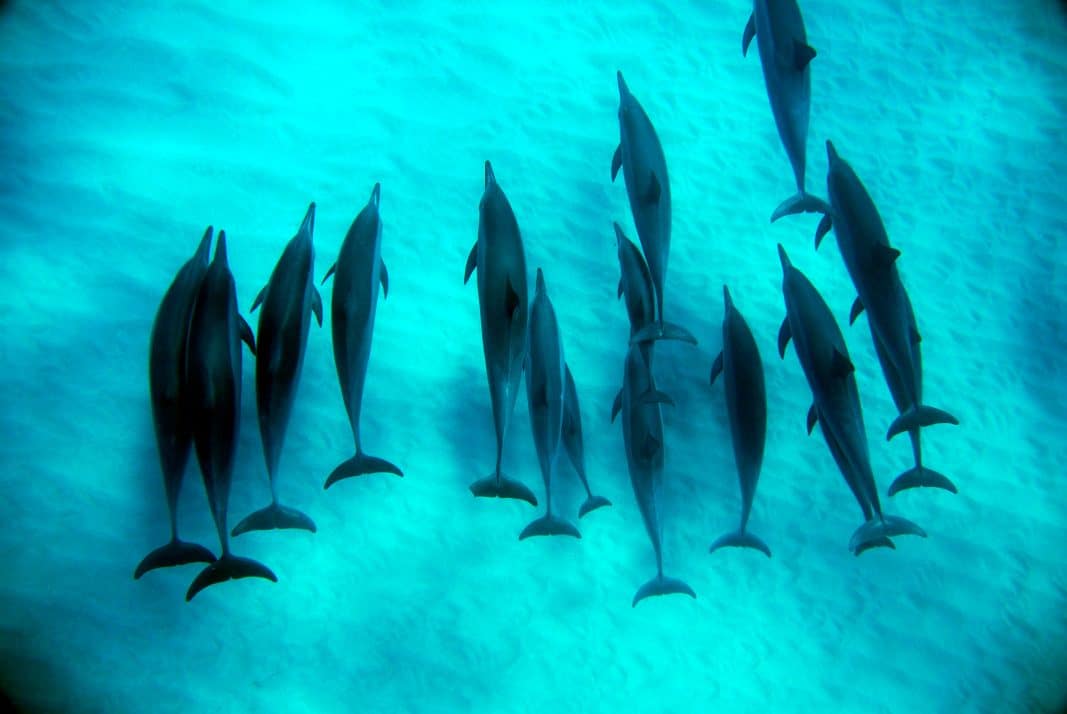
[126,128]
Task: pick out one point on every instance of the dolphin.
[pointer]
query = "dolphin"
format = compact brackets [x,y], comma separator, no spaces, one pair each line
[500,260]
[546,392]
[871,263]
[746,405]
[357,273]
[644,168]
[572,442]
[289,299]
[213,369]
[642,434]
[170,403]
[823,356]
[635,283]
[785,55]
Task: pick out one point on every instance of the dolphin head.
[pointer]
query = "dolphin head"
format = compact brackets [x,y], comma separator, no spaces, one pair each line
[782,256]
[220,251]
[203,251]
[831,153]
[490,177]
[540,289]
[307,227]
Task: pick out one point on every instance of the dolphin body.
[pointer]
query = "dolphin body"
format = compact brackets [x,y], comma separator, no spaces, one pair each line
[746,405]
[785,55]
[503,301]
[546,391]
[871,263]
[642,433]
[644,168]
[288,300]
[170,402]
[356,276]
[213,368]
[573,443]
[821,349]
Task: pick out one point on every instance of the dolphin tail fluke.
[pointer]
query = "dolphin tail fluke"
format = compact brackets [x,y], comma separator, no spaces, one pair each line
[591,504]
[876,543]
[878,528]
[274,516]
[921,477]
[359,465]
[549,525]
[502,487]
[661,585]
[177,552]
[917,417]
[740,539]
[801,202]
[229,567]
[662,331]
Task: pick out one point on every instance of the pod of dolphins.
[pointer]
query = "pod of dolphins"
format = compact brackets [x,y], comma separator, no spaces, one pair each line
[195,354]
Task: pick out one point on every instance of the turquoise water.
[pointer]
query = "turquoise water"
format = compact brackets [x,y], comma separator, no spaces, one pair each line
[125,129]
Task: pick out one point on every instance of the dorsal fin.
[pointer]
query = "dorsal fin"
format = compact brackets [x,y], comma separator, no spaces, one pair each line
[654,188]
[884,255]
[841,365]
[803,53]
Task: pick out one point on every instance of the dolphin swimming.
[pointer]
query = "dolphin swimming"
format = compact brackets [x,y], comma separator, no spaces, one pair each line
[642,433]
[785,55]
[572,442]
[356,276]
[545,392]
[170,402]
[503,301]
[746,406]
[635,284]
[644,168]
[872,265]
[213,368]
[823,356]
[288,301]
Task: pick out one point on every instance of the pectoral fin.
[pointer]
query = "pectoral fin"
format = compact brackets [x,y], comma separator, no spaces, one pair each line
[383,275]
[472,263]
[857,308]
[784,335]
[316,305]
[616,162]
[750,32]
[653,194]
[246,334]
[259,298]
[328,274]
[813,416]
[716,368]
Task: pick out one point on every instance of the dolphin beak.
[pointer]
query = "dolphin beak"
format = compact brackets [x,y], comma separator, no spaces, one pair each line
[203,251]
[726,296]
[831,152]
[623,89]
[376,195]
[786,265]
[540,281]
[490,177]
[220,249]
[308,226]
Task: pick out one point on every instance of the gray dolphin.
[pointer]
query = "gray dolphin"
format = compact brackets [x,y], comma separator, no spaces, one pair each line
[213,368]
[503,301]
[746,405]
[644,168]
[785,55]
[546,392]
[642,434]
[635,283]
[871,263]
[823,355]
[572,441]
[357,274]
[289,299]
[170,407]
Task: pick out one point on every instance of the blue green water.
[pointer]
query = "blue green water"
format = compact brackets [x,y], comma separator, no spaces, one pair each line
[126,128]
